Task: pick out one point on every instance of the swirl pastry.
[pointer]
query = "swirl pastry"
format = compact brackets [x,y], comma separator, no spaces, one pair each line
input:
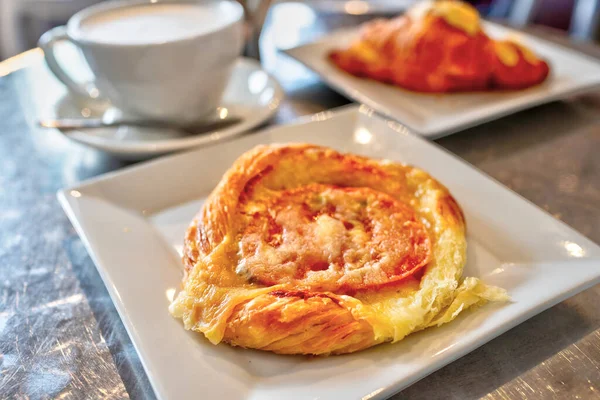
[440,46]
[304,250]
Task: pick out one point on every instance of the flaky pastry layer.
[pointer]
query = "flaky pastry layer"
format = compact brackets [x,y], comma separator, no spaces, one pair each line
[304,250]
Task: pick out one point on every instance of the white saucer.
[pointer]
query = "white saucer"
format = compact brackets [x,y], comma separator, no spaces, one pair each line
[252,94]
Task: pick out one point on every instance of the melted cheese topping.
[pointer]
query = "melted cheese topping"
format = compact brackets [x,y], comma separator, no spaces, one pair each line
[460,15]
[508,53]
[529,55]
[329,238]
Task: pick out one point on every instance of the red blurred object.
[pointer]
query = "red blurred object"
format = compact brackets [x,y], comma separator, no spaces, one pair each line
[430,55]
[438,59]
[521,75]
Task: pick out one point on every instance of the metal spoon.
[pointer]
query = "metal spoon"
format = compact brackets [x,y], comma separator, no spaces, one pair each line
[190,129]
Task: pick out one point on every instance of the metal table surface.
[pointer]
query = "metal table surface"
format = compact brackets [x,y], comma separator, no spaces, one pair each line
[61,337]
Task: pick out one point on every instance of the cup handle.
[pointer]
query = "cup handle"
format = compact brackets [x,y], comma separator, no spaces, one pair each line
[47,42]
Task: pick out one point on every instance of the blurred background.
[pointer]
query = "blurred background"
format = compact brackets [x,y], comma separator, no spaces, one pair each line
[23,21]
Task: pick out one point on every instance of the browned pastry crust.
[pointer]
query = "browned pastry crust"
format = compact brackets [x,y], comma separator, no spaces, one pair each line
[304,250]
[439,46]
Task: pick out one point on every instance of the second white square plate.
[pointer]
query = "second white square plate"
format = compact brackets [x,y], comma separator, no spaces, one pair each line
[437,115]
[133,222]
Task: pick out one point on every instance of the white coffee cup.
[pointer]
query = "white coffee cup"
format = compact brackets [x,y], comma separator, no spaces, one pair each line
[167,60]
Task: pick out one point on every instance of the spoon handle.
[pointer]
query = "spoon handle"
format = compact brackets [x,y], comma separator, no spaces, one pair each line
[85,123]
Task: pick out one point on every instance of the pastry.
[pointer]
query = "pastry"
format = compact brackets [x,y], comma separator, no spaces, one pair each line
[439,46]
[301,249]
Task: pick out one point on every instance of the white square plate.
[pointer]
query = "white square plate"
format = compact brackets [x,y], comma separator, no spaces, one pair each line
[132,222]
[437,115]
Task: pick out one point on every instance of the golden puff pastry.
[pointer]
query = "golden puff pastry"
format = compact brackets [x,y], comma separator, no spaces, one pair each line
[439,46]
[304,250]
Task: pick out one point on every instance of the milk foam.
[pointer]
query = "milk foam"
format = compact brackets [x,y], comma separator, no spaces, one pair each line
[155,23]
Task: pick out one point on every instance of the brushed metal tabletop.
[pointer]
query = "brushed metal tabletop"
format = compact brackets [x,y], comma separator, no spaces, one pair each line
[61,337]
